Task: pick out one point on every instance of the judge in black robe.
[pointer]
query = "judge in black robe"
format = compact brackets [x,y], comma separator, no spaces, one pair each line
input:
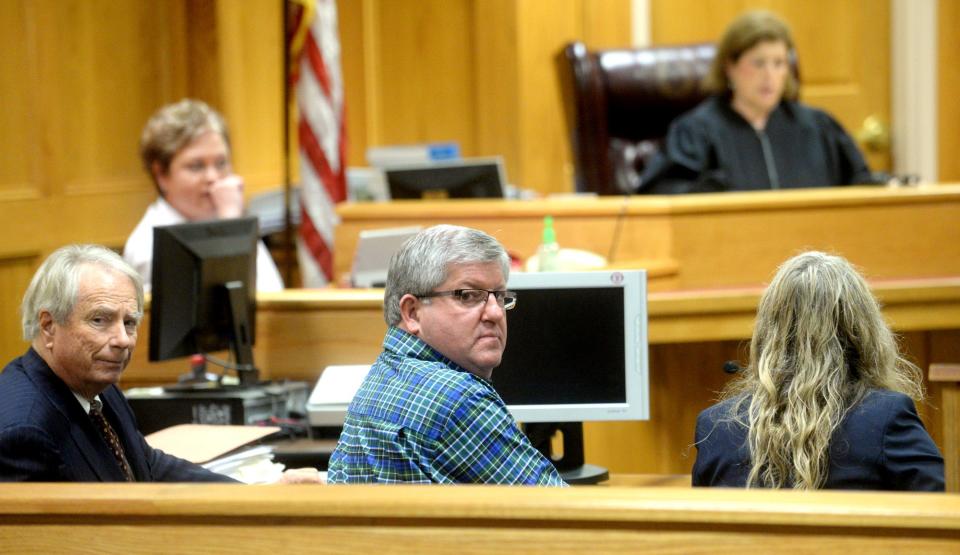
[752,133]
[713,148]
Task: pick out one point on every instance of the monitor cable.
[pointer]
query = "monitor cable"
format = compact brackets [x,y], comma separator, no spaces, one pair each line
[617,228]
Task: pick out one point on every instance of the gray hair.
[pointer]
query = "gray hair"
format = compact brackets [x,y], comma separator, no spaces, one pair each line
[424,260]
[55,285]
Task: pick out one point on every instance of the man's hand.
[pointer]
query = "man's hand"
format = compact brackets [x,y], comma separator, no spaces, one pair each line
[301,476]
[227,195]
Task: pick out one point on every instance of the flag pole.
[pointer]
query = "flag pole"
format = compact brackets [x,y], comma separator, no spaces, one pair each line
[288,236]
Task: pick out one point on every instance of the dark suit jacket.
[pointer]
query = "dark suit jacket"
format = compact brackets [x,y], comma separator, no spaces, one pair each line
[881,444]
[46,436]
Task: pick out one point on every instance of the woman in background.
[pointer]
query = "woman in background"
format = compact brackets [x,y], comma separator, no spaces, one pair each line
[752,133]
[827,400]
[185,147]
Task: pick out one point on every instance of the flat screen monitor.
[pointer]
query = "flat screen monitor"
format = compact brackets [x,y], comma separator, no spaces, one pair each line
[204,291]
[576,351]
[375,248]
[464,178]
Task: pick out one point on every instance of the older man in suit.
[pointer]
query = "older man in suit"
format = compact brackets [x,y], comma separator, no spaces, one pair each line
[62,417]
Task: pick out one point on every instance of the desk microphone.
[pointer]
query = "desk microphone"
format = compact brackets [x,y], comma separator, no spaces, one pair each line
[731,367]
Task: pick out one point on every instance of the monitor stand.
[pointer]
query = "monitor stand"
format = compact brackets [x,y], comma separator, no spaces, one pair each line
[242,338]
[571,465]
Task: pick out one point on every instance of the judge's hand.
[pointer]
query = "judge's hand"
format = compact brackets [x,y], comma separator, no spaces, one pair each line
[227,195]
[301,476]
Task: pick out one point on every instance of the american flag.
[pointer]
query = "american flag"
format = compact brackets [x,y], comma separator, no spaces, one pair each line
[315,75]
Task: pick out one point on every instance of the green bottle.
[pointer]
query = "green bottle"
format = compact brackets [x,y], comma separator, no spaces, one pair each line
[549,249]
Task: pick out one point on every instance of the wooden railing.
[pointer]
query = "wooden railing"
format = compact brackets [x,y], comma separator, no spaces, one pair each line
[947,376]
[186,518]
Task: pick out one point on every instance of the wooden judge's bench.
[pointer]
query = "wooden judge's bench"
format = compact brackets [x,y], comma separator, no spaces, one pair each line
[708,257]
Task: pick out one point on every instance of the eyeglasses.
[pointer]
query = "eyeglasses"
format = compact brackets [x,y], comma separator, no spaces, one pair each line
[474,297]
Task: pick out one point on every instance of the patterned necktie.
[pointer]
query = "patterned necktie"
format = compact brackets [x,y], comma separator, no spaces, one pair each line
[96,414]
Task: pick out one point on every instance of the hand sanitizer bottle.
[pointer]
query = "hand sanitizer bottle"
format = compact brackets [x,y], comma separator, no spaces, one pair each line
[549,249]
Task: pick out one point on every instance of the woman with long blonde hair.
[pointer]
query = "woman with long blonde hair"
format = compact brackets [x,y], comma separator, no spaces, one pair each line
[827,400]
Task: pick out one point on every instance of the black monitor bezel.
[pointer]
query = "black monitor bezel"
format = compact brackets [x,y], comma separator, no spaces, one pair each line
[187,256]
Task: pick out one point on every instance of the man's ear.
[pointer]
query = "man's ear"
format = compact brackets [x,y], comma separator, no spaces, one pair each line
[47,328]
[410,313]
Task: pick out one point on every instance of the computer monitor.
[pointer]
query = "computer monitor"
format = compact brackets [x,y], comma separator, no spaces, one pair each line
[464,178]
[204,291]
[576,351]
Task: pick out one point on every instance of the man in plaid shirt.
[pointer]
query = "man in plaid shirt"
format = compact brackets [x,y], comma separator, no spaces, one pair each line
[426,411]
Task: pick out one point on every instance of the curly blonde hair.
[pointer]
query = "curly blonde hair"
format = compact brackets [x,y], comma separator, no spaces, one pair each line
[820,343]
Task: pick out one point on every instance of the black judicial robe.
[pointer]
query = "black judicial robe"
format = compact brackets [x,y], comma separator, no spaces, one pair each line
[713,148]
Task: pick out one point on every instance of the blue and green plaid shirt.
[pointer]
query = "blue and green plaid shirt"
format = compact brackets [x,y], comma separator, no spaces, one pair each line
[419,417]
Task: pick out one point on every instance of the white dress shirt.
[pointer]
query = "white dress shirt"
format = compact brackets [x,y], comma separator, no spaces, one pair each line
[139,248]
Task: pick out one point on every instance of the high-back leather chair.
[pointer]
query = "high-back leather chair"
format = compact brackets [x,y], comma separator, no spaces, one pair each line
[621,102]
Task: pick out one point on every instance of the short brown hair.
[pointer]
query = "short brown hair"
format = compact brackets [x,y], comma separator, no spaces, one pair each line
[173,127]
[745,32]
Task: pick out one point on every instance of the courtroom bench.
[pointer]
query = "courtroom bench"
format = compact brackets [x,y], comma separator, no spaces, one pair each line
[208,518]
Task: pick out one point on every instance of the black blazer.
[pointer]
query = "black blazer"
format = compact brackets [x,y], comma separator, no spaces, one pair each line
[880,445]
[45,435]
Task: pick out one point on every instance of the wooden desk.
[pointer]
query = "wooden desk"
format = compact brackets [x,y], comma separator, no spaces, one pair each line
[204,518]
[692,333]
[711,240]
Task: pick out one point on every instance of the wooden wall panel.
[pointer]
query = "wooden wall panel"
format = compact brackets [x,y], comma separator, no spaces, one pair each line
[250,70]
[948,83]
[105,92]
[77,80]
[18,172]
[425,51]
[15,274]
[547,26]
[498,84]
[356,63]
[605,23]
[481,73]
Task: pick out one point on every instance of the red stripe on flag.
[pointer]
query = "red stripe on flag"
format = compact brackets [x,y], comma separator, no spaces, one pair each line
[322,252]
[312,51]
[334,183]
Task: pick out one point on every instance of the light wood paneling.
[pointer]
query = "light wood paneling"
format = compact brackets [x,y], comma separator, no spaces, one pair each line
[77,81]
[250,71]
[606,23]
[356,62]
[15,273]
[716,240]
[18,162]
[948,83]
[949,376]
[211,518]
[480,73]
[111,90]
[425,51]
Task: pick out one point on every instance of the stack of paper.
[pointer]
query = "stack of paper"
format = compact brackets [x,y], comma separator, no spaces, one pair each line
[251,466]
[222,449]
